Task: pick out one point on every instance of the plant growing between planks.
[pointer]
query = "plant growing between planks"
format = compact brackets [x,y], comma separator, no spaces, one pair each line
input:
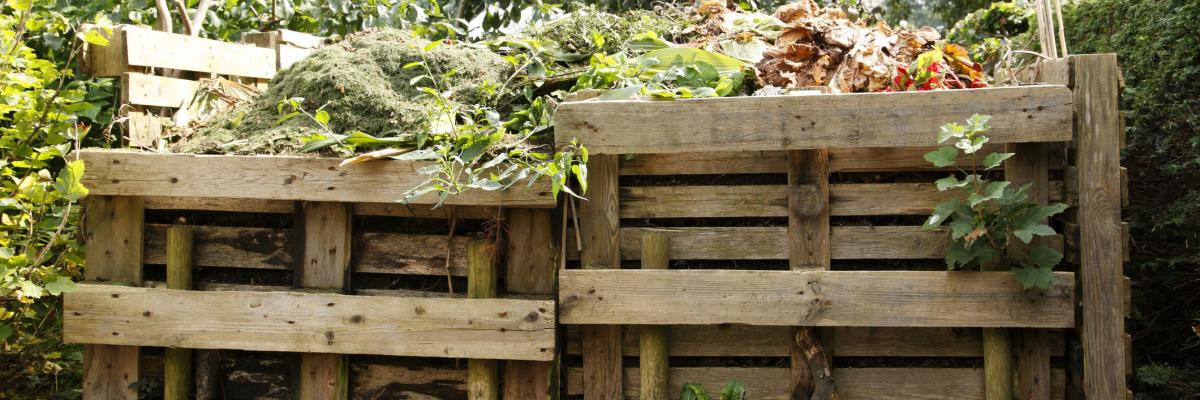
[733,390]
[990,213]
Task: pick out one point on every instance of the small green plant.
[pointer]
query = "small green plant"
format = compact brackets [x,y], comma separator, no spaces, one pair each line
[990,213]
[734,390]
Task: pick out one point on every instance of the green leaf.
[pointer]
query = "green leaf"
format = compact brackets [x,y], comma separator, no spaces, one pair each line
[5,332]
[949,131]
[679,56]
[20,5]
[995,159]
[693,391]
[69,183]
[959,229]
[950,182]
[433,45]
[1027,233]
[93,37]
[734,390]
[992,191]
[322,117]
[60,285]
[413,64]
[1031,277]
[646,42]
[943,212]
[942,157]
[1044,257]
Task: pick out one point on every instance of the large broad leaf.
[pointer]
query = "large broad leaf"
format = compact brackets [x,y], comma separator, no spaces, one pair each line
[942,157]
[1026,233]
[69,183]
[725,65]
[1031,277]
[750,51]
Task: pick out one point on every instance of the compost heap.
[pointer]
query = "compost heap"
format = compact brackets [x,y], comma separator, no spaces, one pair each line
[711,49]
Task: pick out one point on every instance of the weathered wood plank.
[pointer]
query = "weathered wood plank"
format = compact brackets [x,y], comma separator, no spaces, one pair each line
[653,359]
[1019,114]
[286,207]
[278,178]
[847,199]
[155,49]
[1028,166]
[770,243]
[1098,160]
[113,234]
[812,298]
[772,341]
[378,381]
[808,244]
[483,376]
[156,91]
[865,159]
[600,227]
[531,269]
[324,264]
[853,383]
[312,322]
[177,362]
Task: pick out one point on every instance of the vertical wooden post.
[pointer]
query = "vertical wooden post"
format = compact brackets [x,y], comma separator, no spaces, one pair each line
[600,226]
[808,239]
[1097,158]
[177,363]
[325,264]
[1030,165]
[654,361]
[531,270]
[113,229]
[997,364]
[483,376]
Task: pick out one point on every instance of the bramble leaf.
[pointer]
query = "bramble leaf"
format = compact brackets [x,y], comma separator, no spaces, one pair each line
[995,159]
[1027,233]
[950,182]
[942,157]
[1031,277]
[992,191]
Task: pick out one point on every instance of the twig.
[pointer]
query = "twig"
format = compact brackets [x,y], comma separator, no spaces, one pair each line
[187,24]
[450,238]
[198,18]
[164,16]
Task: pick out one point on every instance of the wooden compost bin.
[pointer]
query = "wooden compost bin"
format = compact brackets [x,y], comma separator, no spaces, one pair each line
[789,216]
[307,279]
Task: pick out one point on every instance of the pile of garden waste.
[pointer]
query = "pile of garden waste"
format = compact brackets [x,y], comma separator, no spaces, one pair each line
[482,111]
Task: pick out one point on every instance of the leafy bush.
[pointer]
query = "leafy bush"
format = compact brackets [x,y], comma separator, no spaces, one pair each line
[42,118]
[1158,49]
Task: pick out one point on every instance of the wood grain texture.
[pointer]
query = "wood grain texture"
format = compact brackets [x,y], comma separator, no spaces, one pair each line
[808,244]
[104,61]
[772,341]
[177,363]
[113,234]
[854,383]
[155,49]
[312,322]
[864,159]
[1029,166]
[278,178]
[156,91]
[1101,272]
[600,227]
[390,209]
[811,298]
[770,243]
[380,381]
[324,264]
[531,269]
[653,360]
[483,376]
[1019,114]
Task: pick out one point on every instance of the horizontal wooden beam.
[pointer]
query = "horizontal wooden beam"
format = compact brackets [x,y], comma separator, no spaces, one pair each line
[311,322]
[812,298]
[852,383]
[287,207]
[846,199]
[864,159]
[156,91]
[774,341]
[770,243]
[1019,114]
[139,47]
[125,173]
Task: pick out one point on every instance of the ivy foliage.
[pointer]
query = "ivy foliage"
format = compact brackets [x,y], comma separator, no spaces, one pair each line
[989,214]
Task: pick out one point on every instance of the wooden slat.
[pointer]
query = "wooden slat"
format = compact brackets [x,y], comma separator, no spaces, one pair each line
[156,91]
[531,268]
[865,159]
[311,322]
[599,226]
[113,234]
[772,341]
[377,381]
[1098,159]
[324,265]
[812,298]
[286,207]
[1027,166]
[155,49]
[847,199]
[267,248]
[808,244]
[770,243]
[1019,114]
[853,383]
[279,178]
